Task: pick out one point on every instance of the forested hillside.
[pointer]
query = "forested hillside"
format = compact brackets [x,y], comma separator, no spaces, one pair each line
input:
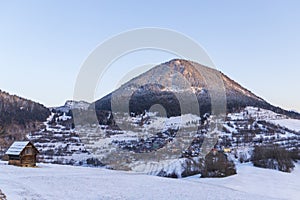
[18,117]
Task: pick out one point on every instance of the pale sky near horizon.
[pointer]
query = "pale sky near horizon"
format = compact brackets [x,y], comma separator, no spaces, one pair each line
[43,44]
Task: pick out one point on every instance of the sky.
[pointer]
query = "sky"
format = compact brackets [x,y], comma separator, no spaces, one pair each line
[43,44]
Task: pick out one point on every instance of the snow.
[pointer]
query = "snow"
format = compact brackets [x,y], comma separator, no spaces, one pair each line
[159,123]
[64,117]
[70,104]
[252,180]
[293,124]
[16,148]
[173,122]
[256,113]
[49,181]
[266,125]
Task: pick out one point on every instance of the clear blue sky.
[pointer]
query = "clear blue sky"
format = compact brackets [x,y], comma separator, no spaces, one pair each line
[44,43]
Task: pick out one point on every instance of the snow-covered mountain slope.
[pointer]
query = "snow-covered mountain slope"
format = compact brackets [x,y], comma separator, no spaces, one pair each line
[147,133]
[70,104]
[58,142]
[256,126]
[292,124]
[49,181]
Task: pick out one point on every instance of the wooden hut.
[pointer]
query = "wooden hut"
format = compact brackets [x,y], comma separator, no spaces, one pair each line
[22,154]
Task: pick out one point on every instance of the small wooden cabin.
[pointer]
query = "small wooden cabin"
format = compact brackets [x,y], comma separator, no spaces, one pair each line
[22,154]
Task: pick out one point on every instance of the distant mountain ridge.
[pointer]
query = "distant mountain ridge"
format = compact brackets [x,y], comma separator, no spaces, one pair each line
[71,104]
[146,95]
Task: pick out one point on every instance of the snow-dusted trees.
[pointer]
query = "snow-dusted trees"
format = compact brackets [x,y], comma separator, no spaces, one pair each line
[217,165]
[273,157]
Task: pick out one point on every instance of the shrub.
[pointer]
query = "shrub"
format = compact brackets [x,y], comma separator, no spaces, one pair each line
[182,168]
[94,162]
[217,165]
[273,157]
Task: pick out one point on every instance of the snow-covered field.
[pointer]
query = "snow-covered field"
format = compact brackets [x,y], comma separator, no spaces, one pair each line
[50,181]
[266,182]
[293,124]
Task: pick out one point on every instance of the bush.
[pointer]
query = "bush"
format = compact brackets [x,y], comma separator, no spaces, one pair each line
[217,165]
[273,157]
[295,154]
[94,162]
[182,168]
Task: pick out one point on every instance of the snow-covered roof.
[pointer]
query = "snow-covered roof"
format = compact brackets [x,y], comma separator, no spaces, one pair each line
[17,147]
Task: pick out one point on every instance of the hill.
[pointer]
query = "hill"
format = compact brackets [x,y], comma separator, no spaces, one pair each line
[18,117]
[169,83]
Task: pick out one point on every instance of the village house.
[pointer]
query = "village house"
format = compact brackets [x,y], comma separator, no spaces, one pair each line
[22,154]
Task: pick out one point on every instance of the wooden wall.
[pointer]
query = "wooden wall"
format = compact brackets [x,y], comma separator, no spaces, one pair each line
[25,159]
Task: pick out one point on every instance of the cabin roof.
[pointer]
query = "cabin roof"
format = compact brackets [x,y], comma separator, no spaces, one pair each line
[17,147]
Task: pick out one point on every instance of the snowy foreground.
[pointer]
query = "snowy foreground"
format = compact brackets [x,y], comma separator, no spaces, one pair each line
[50,181]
